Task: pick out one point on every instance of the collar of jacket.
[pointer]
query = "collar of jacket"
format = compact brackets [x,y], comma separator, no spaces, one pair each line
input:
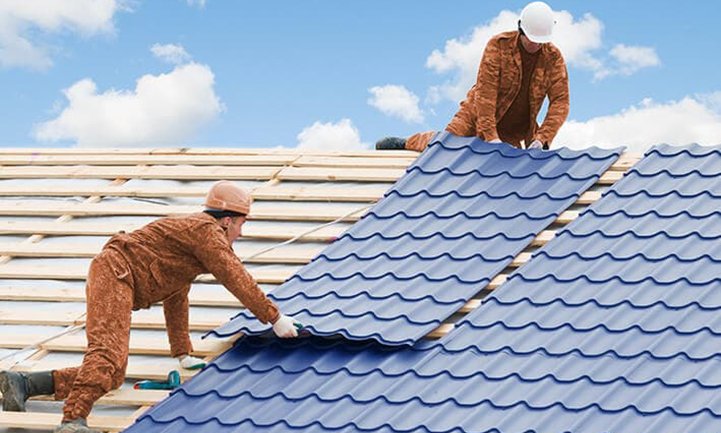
[513,37]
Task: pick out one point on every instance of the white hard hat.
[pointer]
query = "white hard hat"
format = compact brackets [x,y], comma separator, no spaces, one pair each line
[537,22]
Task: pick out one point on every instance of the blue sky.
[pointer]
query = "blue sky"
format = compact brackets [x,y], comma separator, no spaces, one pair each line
[333,74]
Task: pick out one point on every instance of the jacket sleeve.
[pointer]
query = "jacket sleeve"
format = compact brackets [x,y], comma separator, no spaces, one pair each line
[559,102]
[215,253]
[175,309]
[485,91]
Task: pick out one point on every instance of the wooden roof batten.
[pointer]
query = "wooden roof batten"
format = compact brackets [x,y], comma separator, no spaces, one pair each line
[370,172]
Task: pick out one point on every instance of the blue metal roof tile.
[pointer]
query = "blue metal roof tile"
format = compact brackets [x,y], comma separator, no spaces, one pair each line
[464,209]
[566,345]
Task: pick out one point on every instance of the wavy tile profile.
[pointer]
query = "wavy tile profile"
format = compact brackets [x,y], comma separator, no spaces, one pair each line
[457,218]
[566,345]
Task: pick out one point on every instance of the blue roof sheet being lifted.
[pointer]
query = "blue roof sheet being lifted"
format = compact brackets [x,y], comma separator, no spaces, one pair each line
[612,327]
[458,217]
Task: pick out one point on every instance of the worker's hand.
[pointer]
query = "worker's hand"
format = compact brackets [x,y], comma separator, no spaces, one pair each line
[536,144]
[190,362]
[286,327]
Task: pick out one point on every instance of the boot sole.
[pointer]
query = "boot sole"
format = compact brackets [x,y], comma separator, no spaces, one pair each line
[9,404]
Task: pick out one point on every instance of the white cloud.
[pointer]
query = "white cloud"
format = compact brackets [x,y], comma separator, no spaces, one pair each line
[694,119]
[396,101]
[199,3]
[580,41]
[171,53]
[462,56]
[329,137]
[632,58]
[162,110]
[22,22]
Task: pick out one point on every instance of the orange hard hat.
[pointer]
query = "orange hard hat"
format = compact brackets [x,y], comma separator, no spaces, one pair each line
[225,195]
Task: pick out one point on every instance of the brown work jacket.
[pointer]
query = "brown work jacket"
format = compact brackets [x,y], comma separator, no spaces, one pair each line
[161,260]
[498,84]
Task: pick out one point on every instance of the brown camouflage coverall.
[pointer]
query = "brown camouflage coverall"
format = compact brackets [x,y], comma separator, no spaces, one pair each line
[155,263]
[498,83]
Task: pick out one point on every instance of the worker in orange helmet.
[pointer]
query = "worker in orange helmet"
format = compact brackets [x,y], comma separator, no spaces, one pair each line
[156,263]
[519,69]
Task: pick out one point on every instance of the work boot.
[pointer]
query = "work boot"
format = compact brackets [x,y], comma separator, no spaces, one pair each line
[74,426]
[391,143]
[18,387]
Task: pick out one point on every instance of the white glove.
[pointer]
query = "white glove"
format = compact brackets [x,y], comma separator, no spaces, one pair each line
[536,144]
[496,140]
[285,327]
[190,362]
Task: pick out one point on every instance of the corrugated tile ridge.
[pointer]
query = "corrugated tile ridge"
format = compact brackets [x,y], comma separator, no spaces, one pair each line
[615,257]
[477,172]
[694,150]
[586,354]
[601,304]
[490,195]
[469,216]
[573,232]
[600,326]
[622,280]
[520,403]
[450,142]
[400,235]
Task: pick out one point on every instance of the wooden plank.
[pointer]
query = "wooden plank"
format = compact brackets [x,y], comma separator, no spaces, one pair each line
[21,341]
[271,211]
[133,397]
[48,318]
[135,370]
[58,272]
[626,161]
[543,238]
[176,172]
[497,281]
[276,232]
[198,298]
[520,259]
[440,331]
[48,421]
[589,197]
[153,159]
[610,177]
[369,193]
[124,397]
[140,320]
[312,193]
[341,174]
[470,306]
[228,151]
[138,345]
[87,151]
[357,162]
[567,217]
[290,255]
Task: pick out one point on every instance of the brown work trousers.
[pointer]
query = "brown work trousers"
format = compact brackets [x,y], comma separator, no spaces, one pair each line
[109,306]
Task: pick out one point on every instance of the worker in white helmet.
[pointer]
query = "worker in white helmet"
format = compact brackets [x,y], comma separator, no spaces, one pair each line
[518,71]
[156,263]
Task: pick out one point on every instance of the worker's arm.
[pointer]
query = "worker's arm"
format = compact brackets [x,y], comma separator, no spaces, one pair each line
[486,91]
[215,253]
[175,309]
[559,102]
